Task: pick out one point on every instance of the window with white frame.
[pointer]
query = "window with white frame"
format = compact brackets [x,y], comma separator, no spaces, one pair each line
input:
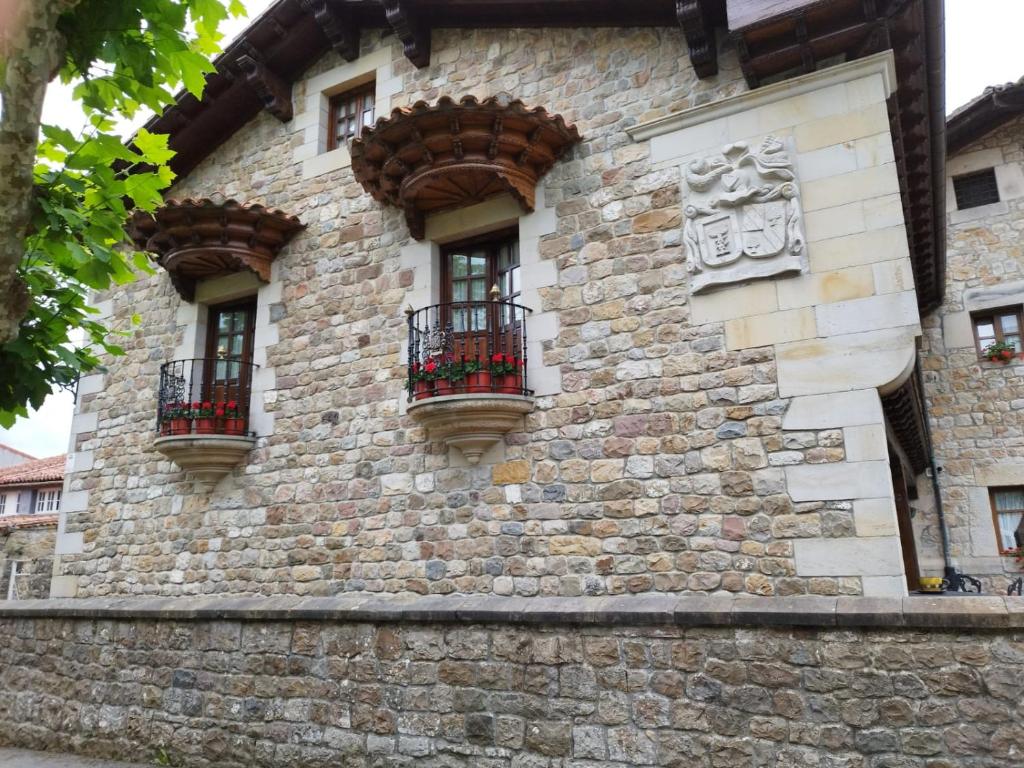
[3,503]
[48,501]
[1008,516]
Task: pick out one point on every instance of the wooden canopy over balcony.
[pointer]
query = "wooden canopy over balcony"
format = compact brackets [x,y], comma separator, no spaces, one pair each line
[452,154]
[197,239]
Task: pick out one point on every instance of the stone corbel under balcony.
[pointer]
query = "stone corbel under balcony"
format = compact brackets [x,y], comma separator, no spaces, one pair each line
[205,458]
[471,422]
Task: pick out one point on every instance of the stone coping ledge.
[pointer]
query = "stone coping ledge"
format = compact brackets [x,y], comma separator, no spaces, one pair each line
[980,612]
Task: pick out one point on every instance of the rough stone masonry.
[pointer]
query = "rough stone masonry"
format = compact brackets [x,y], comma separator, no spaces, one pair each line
[520,683]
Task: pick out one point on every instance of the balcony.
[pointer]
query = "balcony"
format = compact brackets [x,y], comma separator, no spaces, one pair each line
[467,373]
[203,416]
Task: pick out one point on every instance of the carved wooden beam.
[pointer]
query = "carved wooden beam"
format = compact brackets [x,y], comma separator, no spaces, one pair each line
[273,90]
[415,36]
[338,24]
[700,36]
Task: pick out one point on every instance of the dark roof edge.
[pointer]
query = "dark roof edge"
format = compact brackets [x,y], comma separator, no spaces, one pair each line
[995,106]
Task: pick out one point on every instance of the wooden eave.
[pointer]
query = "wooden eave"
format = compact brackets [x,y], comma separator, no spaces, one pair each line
[997,105]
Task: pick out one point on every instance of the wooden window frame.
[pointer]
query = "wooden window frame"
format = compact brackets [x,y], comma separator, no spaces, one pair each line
[997,326]
[492,241]
[250,327]
[995,516]
[343,98]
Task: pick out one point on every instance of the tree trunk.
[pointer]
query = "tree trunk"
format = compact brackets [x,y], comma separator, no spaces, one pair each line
[32,50]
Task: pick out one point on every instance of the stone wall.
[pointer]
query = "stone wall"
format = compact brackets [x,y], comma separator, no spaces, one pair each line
[659,461]
[975,405]
[32,549]
[526,684]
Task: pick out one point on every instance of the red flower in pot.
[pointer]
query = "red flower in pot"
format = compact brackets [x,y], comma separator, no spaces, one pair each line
[507,374]
[229,416]
[204,416]
[421,379]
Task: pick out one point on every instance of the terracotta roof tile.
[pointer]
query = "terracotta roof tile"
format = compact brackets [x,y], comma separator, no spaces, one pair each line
[14,522]
[31,472]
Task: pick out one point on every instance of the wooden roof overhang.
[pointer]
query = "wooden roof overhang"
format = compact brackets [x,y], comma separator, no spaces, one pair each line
[997,105]
[197,239]
[776,39]
[428,158]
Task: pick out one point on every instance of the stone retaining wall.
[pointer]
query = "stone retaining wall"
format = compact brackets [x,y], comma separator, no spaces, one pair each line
[488,682]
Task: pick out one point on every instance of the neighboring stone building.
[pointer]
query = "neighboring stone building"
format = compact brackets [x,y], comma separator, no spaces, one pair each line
[30,494]
[977,404]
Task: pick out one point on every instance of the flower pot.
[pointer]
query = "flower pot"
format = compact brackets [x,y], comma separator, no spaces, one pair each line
[421,389]
[480,381]
[165,427]
[180,426]
[234,426]
[510,384]
[206,426]
[1006,355]
[442,387]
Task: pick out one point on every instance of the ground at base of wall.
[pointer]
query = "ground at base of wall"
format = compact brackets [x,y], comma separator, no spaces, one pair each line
[24,758]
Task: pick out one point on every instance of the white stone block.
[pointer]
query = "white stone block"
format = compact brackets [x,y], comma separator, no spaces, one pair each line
[825,162]
[840,221]
[884,586]
[865,443]
[893,276]
[1006,472]
[876,359]
[69,543]
[326,162]
[1010,181]
[958,331]
[969,162]
[1002,294]
[865,91]
[84,422]
[982,525]
[878,556]
[82,461]
[862,184]
[728,303]
[883,212]
[846,127]
[773,328]
[892,310]
[681,143]
[875,517]
[91,384]
[63,586]
[838,481]
[979,212]
[874,150]
[841,409]
[826,287]
[862,248]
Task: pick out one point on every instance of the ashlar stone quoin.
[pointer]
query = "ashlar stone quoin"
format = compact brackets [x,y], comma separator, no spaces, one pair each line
[742,216]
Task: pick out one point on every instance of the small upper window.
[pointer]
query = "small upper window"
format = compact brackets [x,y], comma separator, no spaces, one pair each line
[351,111]
[3,503]
[1008,514]
[974,189]
[998,326]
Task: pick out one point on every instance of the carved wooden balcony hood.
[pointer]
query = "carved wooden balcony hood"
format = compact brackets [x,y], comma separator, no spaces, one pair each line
[197,239]
[452,154]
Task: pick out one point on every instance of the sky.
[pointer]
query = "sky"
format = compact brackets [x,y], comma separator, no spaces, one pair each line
[983,48]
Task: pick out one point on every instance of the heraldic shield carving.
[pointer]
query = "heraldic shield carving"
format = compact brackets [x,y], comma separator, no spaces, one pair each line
[743,217]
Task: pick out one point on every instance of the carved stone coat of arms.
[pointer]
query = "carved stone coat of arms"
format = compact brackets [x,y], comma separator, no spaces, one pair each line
[743,217]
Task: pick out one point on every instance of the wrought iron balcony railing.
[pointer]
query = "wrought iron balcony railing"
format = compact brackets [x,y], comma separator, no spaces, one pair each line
[467,347]
[208,396]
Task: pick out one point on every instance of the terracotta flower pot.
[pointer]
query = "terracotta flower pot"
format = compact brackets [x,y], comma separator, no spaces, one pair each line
[422,389]
[1006,355]
[165,427]
[234,426]
[206,426]
[442,387]
[510,384]
[180,426]
[480,381]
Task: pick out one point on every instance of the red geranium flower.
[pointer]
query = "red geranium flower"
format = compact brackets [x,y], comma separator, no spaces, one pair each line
[207,404]
[220,412]
[197,405]
[232,404]
[430,367]
[498,358]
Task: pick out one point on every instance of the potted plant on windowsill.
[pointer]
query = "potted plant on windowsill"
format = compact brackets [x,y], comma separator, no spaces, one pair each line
[478,376]
[229,415]
[1000,352]
[507,374]
[177,419]
[203,415]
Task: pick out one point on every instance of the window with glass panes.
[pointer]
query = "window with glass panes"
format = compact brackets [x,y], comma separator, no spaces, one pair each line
[1008,515]
[470,269]
[48,501]
[1003,325]
[351,111]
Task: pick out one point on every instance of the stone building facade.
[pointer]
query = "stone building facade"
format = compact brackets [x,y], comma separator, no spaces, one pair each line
[683,436]
[30,496]
[974,402]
